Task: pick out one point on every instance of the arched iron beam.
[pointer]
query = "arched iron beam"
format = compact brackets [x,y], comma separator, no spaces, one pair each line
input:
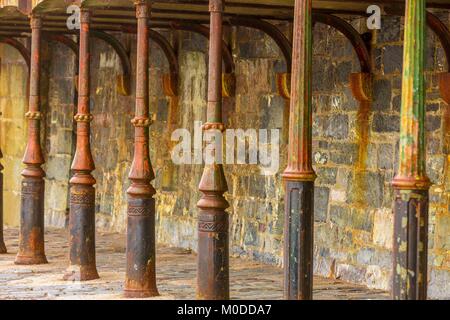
[272,31]
[204,31]
[171,83]
[72,45]
[351,34]
[24,52]
[124,85]
[442,32]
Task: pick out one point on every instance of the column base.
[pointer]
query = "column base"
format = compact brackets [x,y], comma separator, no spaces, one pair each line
[298,235]
[81,273]
[213,259]
[29,260]
[410,247]
[140,294]
[140,277]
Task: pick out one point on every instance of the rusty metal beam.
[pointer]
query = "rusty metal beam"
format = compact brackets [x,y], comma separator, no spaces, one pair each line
[31,237]
[2,241]
[170,82]
[411,184]
[271,30]
[213,259]
[299,175]
[361,49]
[82,260]
[442,32]
[24,52]
[140,279]
[124,80]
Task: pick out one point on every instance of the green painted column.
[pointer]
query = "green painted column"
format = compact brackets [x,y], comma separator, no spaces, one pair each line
[411,183]
[299,175]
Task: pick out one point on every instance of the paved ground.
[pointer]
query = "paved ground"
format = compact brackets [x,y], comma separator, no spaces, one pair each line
[176,275]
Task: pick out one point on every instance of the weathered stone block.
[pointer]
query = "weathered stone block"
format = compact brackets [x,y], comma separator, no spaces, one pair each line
[326,175]
[321,195]
[383,123]
[336,126]
[385,156]
[393,59]
[390,29]
[382,93]
[383,228]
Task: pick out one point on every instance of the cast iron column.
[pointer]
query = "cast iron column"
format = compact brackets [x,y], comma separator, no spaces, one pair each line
[2,242]
[299,175]
[411,183]
[82,192]
[31,237]
[140,278]
[213,264]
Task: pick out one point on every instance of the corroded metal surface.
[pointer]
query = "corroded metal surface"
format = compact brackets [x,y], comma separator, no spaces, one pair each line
[82,193]
[411,183]
[299,175]
[213,259]
[31,239]
[140,279]
[2,242]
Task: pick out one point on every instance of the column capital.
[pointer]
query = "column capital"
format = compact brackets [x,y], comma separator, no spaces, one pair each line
[85,16]
[411,183]
[143,8]
[216,6]
[36,21]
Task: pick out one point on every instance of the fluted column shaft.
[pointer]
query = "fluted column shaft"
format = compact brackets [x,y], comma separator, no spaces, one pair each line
[411,183]
[2,241]
[31,237]
[299,175]
[140,278]
[213,260]
[82,192]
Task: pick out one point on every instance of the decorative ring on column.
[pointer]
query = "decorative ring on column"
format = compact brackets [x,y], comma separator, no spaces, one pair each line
[36,23]
[33,115]
[83,117]
[213,126]
[142,122]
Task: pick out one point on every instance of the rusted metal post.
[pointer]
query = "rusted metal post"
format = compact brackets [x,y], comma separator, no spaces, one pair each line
[213,260]
[82,192]
[299,175]
[31,237]
[411,183]
[140,278]
[2,242]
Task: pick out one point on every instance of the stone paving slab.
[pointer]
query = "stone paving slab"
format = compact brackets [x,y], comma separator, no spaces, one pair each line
[176,275]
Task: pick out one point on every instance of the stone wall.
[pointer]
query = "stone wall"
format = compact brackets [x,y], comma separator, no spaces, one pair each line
[13,103]
[354,150]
